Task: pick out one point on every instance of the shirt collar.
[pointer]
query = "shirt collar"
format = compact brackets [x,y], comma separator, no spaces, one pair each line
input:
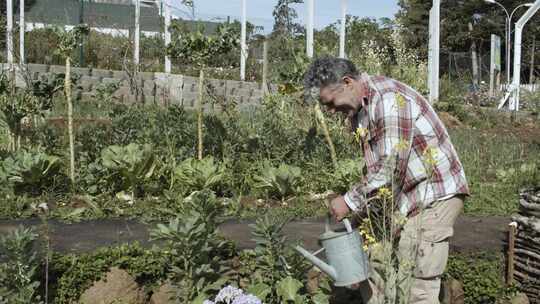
[366,80]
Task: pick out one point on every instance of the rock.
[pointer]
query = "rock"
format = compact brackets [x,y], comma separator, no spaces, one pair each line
[313,279]
[117,287]
[520,298]
[163,294]
[452,292]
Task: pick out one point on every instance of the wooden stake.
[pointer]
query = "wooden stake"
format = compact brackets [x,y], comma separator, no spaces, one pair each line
[531,75]
[512,227]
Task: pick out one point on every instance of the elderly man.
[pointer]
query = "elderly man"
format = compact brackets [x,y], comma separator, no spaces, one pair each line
[407,149]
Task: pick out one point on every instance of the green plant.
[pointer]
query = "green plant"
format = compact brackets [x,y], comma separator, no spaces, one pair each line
[133,163]
[30,172]
[279,182]
[195,175]
[481,274]
[345,175]
[195,267]
[18,267]
[104,93]
[72,274]
[14,107]
[276,273]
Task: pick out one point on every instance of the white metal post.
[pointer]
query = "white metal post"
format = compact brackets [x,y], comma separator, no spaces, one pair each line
[243,46]
[9,33]
[309,28]
[516,81]
[433,65]
[137,32]
[21,32]
[342,29]
[167,13]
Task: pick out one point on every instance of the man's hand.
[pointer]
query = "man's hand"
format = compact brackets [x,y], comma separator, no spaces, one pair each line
[338,208]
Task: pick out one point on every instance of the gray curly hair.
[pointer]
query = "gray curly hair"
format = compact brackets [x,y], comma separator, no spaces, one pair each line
[326,71]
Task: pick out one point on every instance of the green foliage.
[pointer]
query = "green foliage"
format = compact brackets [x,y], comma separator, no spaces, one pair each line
[69,40]
[104,93]
[133,163]
[17,106]
[46,86]
[196,175]
[192,242]
[279,182]
[30,172]
[481,275]
[18,267]
[198,48]
[346,174]
[275,272]
[75,273]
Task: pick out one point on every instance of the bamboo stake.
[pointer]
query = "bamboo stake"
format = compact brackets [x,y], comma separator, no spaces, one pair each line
[200,116]
[67,87]
[322,121]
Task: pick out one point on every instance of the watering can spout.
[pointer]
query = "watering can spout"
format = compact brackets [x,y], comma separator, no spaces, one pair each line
[329,270]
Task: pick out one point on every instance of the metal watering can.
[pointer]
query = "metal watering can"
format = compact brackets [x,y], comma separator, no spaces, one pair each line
[347,262]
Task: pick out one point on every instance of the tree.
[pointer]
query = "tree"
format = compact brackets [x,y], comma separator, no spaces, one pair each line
[284,17]
[488,19]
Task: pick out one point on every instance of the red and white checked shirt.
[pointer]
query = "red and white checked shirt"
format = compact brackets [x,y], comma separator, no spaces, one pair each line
[406,148]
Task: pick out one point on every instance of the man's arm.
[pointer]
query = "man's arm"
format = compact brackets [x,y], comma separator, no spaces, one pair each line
[391,141]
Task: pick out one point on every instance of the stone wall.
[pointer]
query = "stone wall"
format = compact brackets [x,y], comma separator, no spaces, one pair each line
[158,88]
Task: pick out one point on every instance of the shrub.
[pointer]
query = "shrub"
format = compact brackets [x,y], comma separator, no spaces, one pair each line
[30,172]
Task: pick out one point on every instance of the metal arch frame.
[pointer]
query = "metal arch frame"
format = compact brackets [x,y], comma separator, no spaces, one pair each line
[514,89]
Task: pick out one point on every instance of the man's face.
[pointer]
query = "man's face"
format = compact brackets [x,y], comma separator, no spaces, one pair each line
[341,97]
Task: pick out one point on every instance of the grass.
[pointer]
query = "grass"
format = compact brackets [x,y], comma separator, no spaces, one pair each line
[497,165]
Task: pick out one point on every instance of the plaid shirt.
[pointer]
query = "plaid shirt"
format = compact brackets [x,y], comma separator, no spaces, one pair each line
[406,148]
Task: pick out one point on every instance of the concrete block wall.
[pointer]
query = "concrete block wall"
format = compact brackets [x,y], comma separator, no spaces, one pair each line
[160,88]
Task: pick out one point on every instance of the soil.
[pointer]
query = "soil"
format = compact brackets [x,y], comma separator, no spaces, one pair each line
[472,234]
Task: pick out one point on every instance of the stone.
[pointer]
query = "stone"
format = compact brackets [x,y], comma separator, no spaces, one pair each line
[163,295]
[117,287]
[101,73]
[452,292]
[40,68]
[314,276]
[520,298]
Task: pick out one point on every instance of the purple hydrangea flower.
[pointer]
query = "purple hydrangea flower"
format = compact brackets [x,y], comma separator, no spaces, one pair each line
[228,294]
[247,299]
[208,302]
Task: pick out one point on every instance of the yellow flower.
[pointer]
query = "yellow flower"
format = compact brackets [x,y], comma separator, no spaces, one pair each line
[400,100]
[430,156]
[360,133]
[384,193]
[402,145]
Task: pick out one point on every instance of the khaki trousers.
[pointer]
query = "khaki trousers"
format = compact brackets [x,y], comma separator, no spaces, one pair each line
[424,241]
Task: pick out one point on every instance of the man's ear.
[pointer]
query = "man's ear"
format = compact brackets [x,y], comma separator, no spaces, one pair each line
[347,80]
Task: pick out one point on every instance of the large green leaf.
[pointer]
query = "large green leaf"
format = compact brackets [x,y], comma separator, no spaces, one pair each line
[260,290]
[287,289]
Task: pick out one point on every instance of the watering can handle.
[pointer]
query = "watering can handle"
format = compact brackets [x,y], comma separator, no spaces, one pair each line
[346,222]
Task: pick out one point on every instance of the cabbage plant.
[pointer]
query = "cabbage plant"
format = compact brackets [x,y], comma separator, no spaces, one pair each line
[133,163]
[196,175]
[30,172]
[279,182]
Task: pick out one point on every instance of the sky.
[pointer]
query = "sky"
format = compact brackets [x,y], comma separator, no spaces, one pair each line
[260,11]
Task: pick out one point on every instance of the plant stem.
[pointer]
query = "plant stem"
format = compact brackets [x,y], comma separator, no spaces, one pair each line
[324,126]
[67,87]
[200,116]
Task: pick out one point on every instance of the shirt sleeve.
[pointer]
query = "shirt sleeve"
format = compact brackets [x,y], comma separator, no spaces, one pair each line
[390,141]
